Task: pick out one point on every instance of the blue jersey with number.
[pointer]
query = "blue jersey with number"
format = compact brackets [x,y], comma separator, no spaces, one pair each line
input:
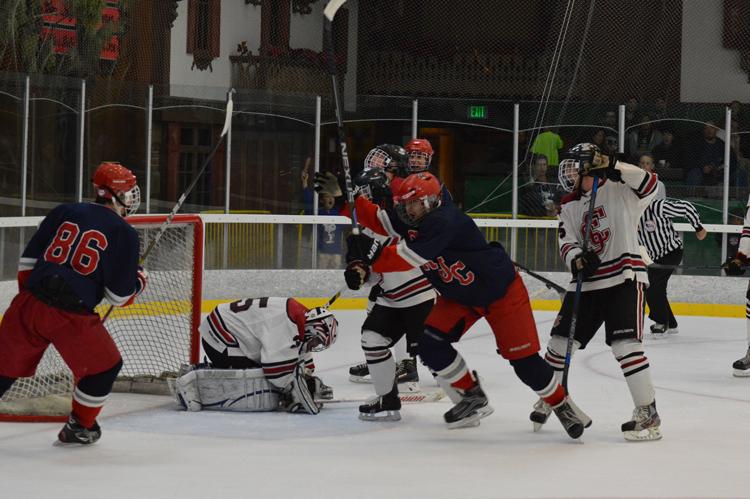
[454,255]
[91,247]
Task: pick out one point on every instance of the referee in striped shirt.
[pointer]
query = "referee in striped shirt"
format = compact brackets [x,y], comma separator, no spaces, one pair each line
[664,246]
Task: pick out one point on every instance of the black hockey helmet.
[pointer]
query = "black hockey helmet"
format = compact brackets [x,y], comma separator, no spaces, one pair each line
[373,184]
[389,157]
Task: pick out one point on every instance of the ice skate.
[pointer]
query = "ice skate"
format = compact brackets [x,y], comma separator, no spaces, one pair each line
[382,408]
[658,331]
[406,371]
[74,433]
[360,373]
[644,425]
[742,366]
[473,406]
[569,419]
[542,410]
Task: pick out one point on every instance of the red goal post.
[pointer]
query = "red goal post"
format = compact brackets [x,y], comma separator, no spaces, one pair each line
[155,335]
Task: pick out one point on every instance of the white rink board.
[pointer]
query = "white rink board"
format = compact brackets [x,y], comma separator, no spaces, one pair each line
[150,450]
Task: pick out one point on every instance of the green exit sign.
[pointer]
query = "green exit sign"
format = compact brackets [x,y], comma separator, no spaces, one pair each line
[477,112]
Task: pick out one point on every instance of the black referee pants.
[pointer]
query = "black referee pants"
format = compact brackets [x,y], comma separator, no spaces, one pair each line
[656,295]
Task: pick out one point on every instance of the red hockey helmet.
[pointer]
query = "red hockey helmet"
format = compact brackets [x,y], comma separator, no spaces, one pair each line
[115,183]
[417,195]
[420,155]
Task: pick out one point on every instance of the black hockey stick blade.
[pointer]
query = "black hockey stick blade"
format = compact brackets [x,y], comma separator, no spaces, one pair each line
[550,284]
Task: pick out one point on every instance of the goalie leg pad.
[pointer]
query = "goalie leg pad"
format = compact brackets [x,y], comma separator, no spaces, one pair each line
[236,390]
[299,398]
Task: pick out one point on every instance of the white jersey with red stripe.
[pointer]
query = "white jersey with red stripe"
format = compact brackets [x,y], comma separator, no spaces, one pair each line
[744,247]
[400,289]
[268,331]
[614,227]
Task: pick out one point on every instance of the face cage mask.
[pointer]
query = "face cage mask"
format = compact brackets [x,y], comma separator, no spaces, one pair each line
[568,174]
[377,158]
[429,202]
[419,161]
[322,334]
[129,200]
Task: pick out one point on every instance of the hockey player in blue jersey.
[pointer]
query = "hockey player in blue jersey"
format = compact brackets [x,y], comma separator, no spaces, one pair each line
[81,253]
[475,280]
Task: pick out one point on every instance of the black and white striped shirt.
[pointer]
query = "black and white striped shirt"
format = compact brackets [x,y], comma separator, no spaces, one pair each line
[655,229]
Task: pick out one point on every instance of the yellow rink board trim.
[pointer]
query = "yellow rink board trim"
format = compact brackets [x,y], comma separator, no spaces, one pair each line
[183,307]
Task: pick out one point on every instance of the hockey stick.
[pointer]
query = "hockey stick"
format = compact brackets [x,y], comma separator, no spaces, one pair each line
[579,286]
[329,13]
[186,192]
[406,398]
[549,284]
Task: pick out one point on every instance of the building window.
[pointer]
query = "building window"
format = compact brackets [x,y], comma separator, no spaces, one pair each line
[195,145]
[203,33]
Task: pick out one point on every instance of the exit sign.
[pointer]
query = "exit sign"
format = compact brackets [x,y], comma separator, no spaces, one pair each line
[477,112]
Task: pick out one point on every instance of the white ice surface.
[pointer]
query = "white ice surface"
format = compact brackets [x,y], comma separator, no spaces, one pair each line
[150,450]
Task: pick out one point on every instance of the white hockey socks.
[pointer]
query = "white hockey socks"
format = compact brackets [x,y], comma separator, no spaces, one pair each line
[635,367]
[379,361]
[555,356]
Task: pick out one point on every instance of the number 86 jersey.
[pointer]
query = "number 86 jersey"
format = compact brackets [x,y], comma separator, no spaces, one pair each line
[91,247]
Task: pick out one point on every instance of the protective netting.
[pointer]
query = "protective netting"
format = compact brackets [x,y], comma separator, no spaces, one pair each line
[155,335]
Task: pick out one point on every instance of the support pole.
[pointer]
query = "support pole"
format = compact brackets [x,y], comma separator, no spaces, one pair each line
[149,130]
[81,140]
[514,230]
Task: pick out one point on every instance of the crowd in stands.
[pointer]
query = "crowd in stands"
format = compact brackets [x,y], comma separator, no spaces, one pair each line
[685,152]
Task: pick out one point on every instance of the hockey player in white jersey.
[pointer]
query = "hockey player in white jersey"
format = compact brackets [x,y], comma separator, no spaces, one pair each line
[614,275]
[401,304]
[260,355]
[735,266]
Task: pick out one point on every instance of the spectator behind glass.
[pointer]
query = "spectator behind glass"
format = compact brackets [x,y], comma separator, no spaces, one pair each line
[631,111]
[540,197]
[646,162]
[599,138]
[643,139]
[330,236]
[666,154]
[548,143]
[707,157]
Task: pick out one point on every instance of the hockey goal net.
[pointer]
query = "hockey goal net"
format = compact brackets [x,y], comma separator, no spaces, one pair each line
[155,335]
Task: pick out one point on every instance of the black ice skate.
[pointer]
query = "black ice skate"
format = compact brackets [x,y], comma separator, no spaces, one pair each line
[472,407]
[383,408]
[74,433]
[542,410]
[569,419]
[360,373]
[406,371]
[644,425]
[742,366]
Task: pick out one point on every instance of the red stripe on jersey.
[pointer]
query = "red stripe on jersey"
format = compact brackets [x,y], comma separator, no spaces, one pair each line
[367,215]
[280,369]
[650,185]
[617,266]
[228,338]
[424,283]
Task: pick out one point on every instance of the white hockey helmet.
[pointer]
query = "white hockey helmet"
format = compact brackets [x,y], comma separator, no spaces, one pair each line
[320,329]
[568,174]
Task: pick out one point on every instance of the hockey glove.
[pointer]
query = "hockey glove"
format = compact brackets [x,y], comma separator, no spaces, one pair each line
[327,183]
[362,247]
[587,263]
[356,274]
[601,165]
[297,396]
[734,266]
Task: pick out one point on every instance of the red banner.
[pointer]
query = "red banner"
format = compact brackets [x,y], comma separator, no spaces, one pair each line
[60,27]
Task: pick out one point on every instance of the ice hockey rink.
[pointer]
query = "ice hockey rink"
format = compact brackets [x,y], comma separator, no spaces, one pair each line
[149,449]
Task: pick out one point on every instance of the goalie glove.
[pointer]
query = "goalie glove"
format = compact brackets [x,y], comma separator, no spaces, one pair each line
[327,183]
[297,396]
[362,248]
[587,263]
[734,266]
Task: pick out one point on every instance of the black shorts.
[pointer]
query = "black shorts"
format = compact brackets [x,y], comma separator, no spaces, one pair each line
[220,360]
[619,308]
[393,323]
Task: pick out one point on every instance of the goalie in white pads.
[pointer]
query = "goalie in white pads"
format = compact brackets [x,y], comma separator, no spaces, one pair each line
[735,266]
[260,353]
[614,275]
